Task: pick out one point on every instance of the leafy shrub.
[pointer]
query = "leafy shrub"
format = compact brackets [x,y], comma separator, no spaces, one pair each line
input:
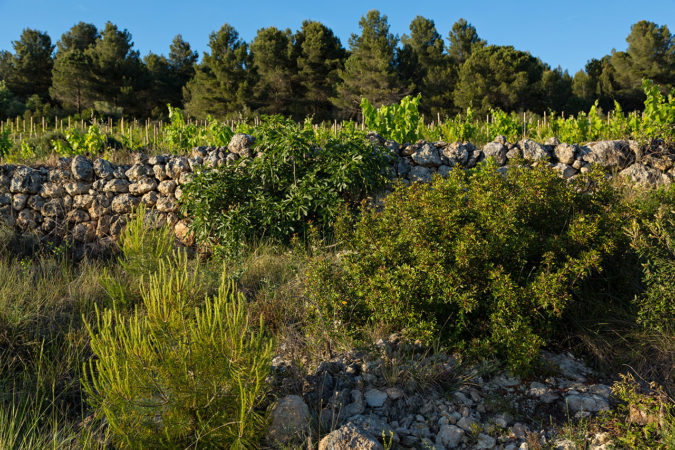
[398,122]
[179,374]
[5,144]
[644,418]
[293,182]
[653,237]
[485,260]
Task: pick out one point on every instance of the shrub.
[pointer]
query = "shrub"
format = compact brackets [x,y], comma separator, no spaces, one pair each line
[143,247]
[179,374]
[653,237]
[485,260]
[298,179]
[400,122]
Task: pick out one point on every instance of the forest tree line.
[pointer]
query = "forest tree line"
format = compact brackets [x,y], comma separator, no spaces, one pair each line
[310,72]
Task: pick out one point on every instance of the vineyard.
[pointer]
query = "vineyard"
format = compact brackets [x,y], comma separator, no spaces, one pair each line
[26,141]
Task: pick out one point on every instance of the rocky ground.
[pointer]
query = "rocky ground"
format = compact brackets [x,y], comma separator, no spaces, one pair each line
[398,396]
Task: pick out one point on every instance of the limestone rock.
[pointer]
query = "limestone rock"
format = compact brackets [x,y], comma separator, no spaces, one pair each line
[136,172]
[449,436]
[82,169]
[77,216]
[290,420]
[533,151]
[420,174]
[51,190]
[77,188]
[84,231]
[103,169]
[19,201]
[124,203]
[167,204]
[349,437]
[456,154]
[241,144]
[150,199]
[25,181]
[613,154]
[427,156]
[27,219]
[565,171]
[643,175]
[176,166]
[565,153]
[375,398]
[143,186]
[117,186]
[53,208]
[497,151]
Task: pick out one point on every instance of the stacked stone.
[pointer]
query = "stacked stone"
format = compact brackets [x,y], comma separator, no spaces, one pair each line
[92,200]
[420,161]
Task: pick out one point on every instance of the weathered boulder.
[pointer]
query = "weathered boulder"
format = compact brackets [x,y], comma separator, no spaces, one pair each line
[349,437]
[103,169]
[117,185]
[77,188]
[290,421]
[125,203]
[143,186]
[449,436]
[565,153]
[26,181]
[420,174]
[82,169]
[427,156]
[241,144]
[644,175]
[136,172]
[533,151]
[610,154]
[456,153]
[497,151]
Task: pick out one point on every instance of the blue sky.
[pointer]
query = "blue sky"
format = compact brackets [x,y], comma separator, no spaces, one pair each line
[564,32]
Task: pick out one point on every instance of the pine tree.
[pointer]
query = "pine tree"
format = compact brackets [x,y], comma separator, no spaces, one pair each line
[161,90]
[118,73]
[370,71]
[463,39]
[425,66]
[181,64]
[320,56]
[274,63]
[500,77]
[72,76]
[650,55]
[557,91]
[31,65]
[221,83]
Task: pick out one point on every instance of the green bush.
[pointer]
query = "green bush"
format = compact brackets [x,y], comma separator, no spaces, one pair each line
[300,178]
[653,237]
[485,260]
[400,122]
[179,374]
[143,248]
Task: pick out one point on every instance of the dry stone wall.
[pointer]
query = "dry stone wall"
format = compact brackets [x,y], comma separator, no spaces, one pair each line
[91,200]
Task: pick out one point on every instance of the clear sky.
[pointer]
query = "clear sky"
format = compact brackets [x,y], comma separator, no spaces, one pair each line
[563,32]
